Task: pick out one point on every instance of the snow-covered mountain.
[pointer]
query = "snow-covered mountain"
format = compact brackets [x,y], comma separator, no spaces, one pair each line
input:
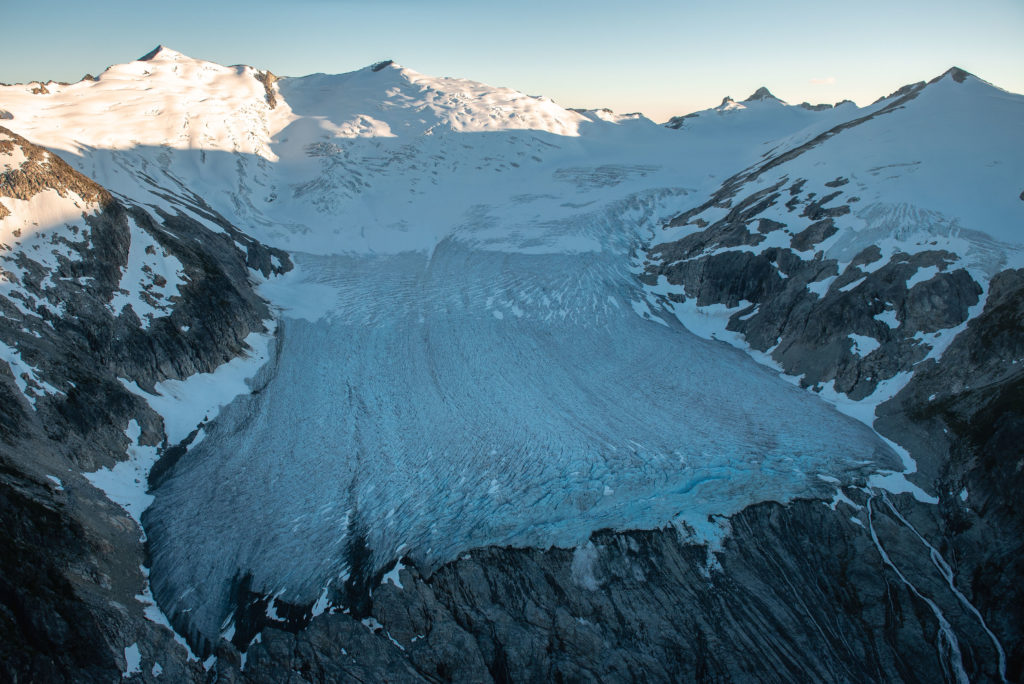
[492,323]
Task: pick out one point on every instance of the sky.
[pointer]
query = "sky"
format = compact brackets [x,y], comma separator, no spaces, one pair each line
[659,57]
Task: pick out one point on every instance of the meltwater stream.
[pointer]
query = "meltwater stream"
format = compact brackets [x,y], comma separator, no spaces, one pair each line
[472,397]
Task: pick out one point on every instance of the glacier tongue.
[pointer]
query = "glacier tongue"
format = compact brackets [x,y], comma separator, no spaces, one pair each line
[474,396]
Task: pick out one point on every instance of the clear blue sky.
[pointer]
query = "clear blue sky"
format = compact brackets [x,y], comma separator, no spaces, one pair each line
[661,57]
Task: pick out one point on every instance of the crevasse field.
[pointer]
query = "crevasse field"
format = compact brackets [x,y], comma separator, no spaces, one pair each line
[472,397]
[498,388]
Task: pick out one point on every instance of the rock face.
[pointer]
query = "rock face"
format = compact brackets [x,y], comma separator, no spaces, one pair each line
[773,252]
[797,593]
[71,559]
[962,418]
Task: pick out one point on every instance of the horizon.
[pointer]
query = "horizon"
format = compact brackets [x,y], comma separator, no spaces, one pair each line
[163,46]
[659,58]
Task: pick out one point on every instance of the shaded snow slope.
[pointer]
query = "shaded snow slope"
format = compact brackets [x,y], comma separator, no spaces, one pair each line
[938,169]
[751,129]
[953,152]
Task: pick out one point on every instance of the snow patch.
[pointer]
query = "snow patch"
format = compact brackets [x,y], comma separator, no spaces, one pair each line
[153,613]
[889,317]
[150,280]
[322,603]
[26,377]
[584,560]
[133,660]
[186,404]
[897,483]
[42,227]
[126,484]
[392,575]
[921,275]
[13,159]
[641,309]
[852,285]
[820,287]
[271,611]
[863,345]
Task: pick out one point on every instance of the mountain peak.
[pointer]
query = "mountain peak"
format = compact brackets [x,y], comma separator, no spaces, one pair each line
[160,52]
[762,93]
[956,73]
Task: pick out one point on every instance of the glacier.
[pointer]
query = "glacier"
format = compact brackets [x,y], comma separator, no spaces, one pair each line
[504,388]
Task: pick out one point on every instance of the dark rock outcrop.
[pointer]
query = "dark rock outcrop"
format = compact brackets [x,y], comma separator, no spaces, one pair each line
[798,593]
[268,80]
[761,94]
[962,418]
[71,559]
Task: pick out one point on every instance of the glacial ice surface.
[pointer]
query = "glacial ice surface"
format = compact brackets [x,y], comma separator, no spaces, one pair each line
[470,396]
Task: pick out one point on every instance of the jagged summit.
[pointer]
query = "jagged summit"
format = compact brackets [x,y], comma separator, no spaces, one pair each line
[814,107]
[956,73]
[762,94]
[162,52]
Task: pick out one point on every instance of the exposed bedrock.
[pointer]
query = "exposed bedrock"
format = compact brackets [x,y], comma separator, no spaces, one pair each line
[962,418]
[857,319]
[70,559]
[801,594]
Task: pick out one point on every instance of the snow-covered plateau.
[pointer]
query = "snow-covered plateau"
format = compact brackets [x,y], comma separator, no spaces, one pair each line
[496,329]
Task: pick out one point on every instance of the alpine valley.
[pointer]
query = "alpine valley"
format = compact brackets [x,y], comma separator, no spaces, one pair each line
[386,377]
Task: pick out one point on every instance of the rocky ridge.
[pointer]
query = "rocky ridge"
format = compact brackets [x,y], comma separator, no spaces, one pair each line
[918,323]
[73,561]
